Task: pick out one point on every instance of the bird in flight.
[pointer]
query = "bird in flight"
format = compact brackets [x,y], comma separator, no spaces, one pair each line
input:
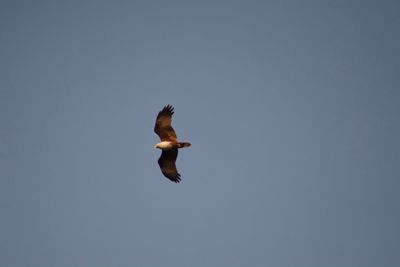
[169,144]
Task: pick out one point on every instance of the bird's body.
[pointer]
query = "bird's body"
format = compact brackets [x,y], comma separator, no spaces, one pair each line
[169,144]
[165,145]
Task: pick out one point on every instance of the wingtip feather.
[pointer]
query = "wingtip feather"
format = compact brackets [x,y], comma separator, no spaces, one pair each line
[169,109]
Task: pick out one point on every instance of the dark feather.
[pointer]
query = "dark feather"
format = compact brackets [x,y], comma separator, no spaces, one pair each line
[163,126]
[167,165]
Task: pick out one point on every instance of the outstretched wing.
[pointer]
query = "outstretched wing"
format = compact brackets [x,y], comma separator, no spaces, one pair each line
[163,126]
[167,165]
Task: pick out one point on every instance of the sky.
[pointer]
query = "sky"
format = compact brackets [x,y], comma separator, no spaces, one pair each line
[292,109]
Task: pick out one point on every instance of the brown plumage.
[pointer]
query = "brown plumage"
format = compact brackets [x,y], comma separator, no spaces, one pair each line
[163,126]
[169,144]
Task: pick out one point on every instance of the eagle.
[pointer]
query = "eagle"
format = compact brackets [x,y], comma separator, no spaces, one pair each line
[169,144]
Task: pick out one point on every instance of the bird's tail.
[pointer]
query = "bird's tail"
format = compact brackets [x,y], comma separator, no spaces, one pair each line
[184,144]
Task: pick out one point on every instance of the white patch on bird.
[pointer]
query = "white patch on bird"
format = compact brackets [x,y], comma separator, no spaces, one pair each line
[164,145]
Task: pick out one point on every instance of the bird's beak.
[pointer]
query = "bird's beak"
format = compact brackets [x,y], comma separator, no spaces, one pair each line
[155,146]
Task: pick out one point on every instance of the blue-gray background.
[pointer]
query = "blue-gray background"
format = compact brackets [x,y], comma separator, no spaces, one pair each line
[292,109]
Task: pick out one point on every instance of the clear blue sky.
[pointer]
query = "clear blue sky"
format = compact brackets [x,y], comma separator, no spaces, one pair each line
[292,110]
